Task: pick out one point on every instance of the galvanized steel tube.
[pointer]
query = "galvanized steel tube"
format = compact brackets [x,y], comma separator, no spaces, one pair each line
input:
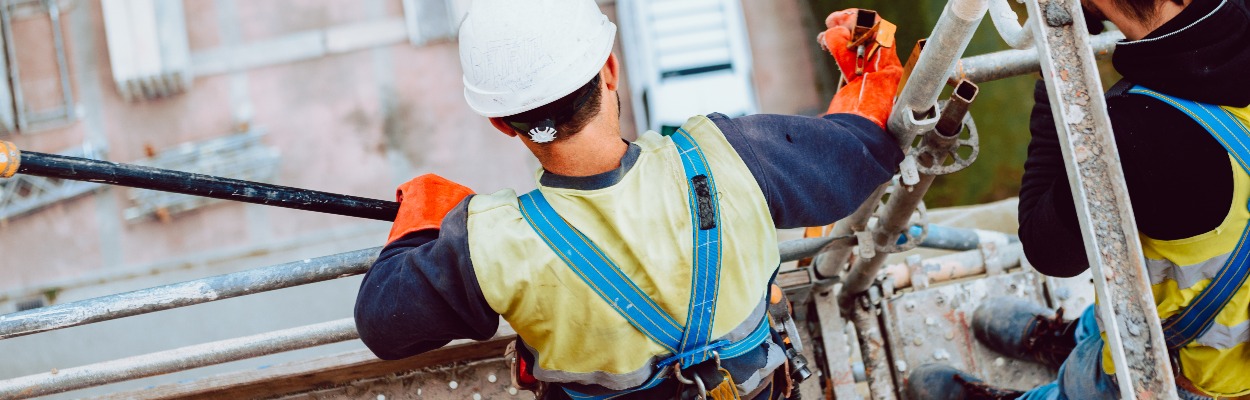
[1008,63]
[950,38]
[897,215]
[186,293]
[179,359]
[948,42]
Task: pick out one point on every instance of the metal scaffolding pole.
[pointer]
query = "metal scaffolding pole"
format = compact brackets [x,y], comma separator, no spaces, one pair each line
[872,347]
[1008,63]
[939,237]
[940,143]
[286,275]
[179,359]
[143,177]
[1126,305]
[188,293]
[915,111]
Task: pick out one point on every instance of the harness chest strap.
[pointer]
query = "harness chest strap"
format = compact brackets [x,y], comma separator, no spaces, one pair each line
[1195,319]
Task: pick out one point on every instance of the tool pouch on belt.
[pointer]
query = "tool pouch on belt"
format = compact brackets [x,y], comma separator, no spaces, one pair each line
[522,370]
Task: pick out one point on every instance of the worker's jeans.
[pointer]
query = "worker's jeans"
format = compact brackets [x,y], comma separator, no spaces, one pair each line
[1081,375]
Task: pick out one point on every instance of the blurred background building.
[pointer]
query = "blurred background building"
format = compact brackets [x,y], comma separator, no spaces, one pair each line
[345,96]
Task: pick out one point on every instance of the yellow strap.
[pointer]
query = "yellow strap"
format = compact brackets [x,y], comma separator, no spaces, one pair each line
[727,390]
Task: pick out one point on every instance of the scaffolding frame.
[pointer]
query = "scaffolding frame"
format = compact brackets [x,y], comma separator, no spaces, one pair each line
[853,288]
[1054,40]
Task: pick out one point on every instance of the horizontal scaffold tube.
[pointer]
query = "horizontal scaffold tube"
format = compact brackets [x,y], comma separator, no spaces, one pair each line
[143,177]
[916,100]
[188,293]
[179,359]
[1008,63]
[955,266]
[313,270]
[939,237]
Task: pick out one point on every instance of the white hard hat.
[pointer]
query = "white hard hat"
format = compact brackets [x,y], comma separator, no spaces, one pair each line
[519,55]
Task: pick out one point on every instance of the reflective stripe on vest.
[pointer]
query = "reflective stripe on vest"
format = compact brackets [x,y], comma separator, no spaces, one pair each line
[1197,318]
[690,345]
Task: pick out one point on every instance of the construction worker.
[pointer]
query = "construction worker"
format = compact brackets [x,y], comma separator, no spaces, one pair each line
[1179,116]
[638,270]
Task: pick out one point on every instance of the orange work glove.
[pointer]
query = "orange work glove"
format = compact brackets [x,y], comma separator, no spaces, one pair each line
[423,202]
[870,94]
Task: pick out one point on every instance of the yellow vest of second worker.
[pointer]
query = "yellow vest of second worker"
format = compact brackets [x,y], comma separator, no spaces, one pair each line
[1217,362]
[643,224]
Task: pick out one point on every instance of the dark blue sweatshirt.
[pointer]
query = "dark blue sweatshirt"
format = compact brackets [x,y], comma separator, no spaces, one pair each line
[422,292]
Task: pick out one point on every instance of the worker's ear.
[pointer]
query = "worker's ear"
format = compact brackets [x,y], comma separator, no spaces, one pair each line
[610,72]
[503,127]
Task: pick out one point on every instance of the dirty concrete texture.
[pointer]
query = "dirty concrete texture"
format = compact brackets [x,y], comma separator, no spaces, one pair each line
[934,326]
[478,380]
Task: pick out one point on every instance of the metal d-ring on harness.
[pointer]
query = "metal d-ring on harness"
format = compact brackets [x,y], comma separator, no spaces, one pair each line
[695,380]
[691,344]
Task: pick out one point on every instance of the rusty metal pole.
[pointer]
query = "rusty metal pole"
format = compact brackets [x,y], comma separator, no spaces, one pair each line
[872,347]
[1126,306]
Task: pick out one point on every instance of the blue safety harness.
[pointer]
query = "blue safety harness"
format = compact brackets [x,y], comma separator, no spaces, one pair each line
[689,344]
[1195,319]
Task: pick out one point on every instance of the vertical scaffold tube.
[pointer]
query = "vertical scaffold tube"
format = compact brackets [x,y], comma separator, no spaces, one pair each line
[896,217]
[916,101]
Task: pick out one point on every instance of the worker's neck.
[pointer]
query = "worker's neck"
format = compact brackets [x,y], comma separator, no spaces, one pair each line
[596,149]
[1138,30]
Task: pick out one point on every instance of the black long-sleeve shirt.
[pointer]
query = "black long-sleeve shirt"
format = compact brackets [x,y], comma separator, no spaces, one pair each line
[1178,176]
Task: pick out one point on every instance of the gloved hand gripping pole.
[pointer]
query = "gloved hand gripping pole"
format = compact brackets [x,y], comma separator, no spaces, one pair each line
[14,161]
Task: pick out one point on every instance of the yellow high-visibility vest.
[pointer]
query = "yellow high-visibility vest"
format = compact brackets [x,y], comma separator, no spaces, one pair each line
[643,224]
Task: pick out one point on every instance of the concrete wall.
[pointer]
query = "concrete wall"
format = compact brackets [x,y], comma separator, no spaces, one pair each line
[356,123]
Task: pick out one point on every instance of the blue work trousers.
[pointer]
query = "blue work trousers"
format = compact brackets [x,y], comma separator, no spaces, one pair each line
[1081,375]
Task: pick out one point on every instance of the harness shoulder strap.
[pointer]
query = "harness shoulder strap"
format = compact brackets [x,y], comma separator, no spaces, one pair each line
[1196,318]
[689,345]
[600,273]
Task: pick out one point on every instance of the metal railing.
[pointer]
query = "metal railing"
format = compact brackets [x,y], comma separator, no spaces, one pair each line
[1053,41]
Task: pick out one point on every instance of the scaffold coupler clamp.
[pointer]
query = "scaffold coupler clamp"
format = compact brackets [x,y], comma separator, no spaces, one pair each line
[10,159]
[781,320]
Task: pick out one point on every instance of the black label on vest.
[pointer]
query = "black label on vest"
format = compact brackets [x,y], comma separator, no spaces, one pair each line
[703,195]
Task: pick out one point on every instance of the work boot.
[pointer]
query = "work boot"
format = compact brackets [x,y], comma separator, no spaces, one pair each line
[943,382]
[1023,330]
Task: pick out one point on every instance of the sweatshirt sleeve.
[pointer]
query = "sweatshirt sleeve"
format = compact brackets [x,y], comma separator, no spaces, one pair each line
[813,171]
[1049,230]
[1178,178]
[421,293]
